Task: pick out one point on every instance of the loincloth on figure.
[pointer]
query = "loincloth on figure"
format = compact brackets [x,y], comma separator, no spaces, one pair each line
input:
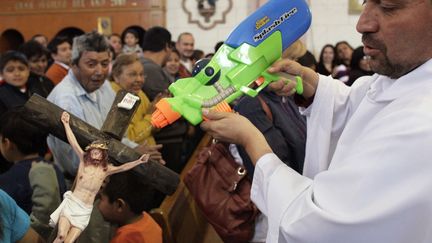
[74,210]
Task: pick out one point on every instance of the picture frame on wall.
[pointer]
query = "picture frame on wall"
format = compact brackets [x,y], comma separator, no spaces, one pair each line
[355,6]
[104,25]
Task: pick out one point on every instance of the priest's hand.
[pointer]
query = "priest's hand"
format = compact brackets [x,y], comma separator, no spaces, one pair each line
[234,128]
[281,87]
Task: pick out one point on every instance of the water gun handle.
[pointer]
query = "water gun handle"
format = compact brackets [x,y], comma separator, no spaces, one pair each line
[267,78]
[289,78]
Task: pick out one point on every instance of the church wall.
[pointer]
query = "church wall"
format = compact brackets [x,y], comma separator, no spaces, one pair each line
[47,17]
[331,22]
[205,39]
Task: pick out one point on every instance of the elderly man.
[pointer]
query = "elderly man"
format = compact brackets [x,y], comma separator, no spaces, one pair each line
[185,46]
[85,93]
[368,163]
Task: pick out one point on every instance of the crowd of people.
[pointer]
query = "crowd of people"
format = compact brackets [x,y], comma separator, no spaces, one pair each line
[82,76]
[345,161]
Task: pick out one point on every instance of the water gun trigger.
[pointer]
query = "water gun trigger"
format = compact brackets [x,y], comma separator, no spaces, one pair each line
[262,81]
[289,78]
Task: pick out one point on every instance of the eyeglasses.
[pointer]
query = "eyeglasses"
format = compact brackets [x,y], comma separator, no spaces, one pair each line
[135,75]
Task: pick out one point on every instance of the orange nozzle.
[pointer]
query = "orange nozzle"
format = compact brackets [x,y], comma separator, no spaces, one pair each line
[164,114]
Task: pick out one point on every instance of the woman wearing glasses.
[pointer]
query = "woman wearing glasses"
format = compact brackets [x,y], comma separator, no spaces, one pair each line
[128,74]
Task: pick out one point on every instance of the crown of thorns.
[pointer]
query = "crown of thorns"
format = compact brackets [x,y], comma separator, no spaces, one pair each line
[97,146]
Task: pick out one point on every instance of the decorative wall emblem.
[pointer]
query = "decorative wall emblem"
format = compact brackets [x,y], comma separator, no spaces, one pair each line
[206,13]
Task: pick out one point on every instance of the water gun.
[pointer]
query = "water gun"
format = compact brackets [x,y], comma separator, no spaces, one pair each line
[239,66]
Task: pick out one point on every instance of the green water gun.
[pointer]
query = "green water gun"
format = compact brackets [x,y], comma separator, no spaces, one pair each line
[239,66]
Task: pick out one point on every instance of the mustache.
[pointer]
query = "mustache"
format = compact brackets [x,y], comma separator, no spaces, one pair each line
[98,77]
[369,40]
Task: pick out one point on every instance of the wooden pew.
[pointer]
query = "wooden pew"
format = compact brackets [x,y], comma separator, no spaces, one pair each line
[178,215]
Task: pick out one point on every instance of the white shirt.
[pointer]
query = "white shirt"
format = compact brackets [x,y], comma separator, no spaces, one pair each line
[187,64]
[63,65]
[368,166]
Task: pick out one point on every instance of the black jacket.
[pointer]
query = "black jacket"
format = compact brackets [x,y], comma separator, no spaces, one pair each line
[286,134]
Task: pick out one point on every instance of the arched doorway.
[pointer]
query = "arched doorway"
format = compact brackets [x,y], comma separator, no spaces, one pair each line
[141,31]
[10,39]
[70,32]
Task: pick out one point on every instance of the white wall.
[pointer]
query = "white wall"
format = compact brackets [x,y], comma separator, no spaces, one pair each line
[177,22]
[330,23]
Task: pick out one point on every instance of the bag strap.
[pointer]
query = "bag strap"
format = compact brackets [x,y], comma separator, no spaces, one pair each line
[266,108]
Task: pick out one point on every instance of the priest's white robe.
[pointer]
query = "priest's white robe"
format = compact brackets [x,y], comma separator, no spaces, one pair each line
[368,166]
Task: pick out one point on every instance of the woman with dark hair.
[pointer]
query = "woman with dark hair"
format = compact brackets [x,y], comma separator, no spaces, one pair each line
[116,43]
[327,60]
[359,65]
[343,59]
[171,65]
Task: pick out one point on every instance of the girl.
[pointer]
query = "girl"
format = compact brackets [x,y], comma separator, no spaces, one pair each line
[131,45]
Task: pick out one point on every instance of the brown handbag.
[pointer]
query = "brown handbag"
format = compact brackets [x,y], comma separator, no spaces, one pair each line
[221,190]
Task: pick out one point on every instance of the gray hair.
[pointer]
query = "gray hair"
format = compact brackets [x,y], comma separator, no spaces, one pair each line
[92,41]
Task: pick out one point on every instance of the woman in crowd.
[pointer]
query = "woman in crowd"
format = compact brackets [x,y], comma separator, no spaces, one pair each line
[343,59]
[172,65]
[359,65]
[116,43]
[128,74]
[327,61]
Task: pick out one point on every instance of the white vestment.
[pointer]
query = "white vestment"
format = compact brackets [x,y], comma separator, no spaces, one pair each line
[74,210]
[368,166]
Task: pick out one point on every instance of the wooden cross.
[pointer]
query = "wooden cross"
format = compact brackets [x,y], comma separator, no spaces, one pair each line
[47,115]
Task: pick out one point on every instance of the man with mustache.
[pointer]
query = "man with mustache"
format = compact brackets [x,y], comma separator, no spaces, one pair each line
[367,169]
[85,93]
[185,46]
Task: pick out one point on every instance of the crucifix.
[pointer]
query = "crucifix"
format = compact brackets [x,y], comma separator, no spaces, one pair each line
[47,116]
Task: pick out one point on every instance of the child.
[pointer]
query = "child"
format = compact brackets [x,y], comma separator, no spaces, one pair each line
[124,202]
[33,183]
[131,40]
[16,87]
[14,69]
